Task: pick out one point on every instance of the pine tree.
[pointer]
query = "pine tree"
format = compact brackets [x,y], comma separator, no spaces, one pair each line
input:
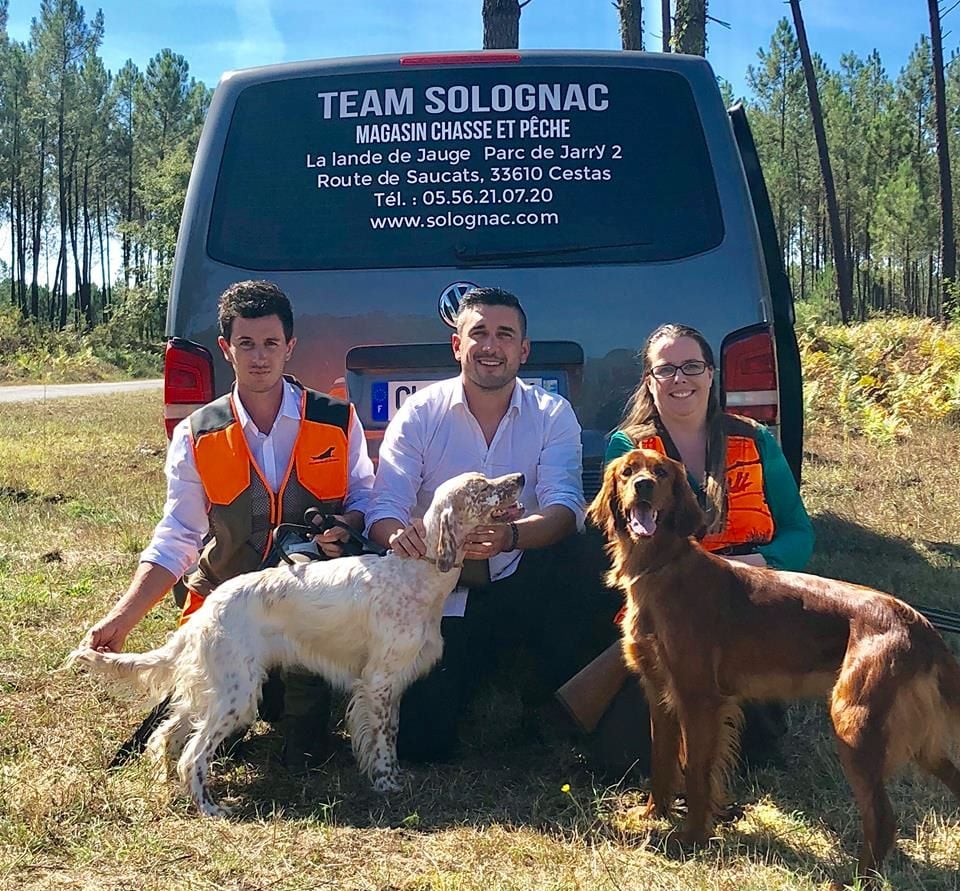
[501,23]
[630,14]
[780,121]
[948,245]
[63,39]
[690,27]
[844,290]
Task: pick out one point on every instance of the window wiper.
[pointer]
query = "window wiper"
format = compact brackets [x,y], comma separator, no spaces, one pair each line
[464,253]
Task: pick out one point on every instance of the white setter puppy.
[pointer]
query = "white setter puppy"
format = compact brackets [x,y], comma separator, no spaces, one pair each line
[367,624]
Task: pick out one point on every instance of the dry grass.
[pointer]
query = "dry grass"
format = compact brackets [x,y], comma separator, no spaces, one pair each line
[80,488]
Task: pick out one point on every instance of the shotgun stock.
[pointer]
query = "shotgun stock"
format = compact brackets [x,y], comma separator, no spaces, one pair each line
[588,694]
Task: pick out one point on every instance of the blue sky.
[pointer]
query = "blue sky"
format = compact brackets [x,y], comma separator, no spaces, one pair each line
[217,35]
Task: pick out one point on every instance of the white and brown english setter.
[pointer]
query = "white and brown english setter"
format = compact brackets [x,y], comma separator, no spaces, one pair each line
[367,624]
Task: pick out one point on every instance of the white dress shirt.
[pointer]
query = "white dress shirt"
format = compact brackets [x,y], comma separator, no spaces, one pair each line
[179,535]
[434,437]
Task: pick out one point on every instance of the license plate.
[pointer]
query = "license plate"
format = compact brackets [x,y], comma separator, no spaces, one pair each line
[386,397]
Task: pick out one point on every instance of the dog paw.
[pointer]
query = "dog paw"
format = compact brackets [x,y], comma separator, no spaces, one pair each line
[210,808]
[693,837]
[221,811]
[386,783]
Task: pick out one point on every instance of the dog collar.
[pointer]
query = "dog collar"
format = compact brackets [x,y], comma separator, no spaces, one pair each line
[433,560]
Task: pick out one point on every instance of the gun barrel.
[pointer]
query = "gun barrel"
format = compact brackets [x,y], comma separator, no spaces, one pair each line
[941,619]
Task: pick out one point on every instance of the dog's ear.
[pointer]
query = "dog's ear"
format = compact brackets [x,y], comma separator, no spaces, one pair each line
[447,542]
[687,517]
[604,511]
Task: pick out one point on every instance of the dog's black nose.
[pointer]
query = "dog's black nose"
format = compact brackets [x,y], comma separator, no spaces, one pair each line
[643,488]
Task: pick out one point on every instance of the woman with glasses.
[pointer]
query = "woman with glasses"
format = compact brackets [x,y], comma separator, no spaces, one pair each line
[735,466]
[742,480]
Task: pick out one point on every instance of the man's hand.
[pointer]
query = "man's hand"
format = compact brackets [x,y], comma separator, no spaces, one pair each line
[149,585]
[485,542]
[411,541]
[488,541]
[108,635]
[332,540]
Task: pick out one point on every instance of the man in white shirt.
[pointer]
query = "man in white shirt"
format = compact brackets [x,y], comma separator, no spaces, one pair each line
[486,420]
[226,493]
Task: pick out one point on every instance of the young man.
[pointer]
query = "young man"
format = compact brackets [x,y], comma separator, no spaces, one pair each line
[237,488]
[489,421]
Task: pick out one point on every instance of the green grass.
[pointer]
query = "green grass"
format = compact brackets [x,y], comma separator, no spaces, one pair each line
[81,486]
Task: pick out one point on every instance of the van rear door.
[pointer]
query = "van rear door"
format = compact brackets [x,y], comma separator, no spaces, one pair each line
[788,354]
[604,189]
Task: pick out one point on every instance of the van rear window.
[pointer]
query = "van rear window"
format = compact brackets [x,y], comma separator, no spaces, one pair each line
[462,167]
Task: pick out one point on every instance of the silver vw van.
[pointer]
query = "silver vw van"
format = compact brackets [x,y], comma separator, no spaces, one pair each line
[611,191]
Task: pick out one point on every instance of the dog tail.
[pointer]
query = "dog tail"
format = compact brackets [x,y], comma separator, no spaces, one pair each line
[152,671]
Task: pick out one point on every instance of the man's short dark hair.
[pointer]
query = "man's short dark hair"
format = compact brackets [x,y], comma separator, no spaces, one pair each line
[254,300]
[492,297]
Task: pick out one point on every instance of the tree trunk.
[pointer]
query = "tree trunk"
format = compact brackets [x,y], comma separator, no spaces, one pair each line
[848,245]
[104,272]
[690,27]
[86,302]
[57,304]
[817,243]
[892,302]
[14,151]
[803,257]
[665,24]
[868,259]
[948,245]
[781,222]
[63,187]
[906,279]
[844,289]
[917,288]
[126,243]
[107,277]
[22,250]
[631,23]
[37,232]
[501,24]
[865,286]
[73,224]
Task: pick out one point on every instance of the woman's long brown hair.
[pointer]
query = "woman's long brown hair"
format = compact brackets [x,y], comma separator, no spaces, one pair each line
[641,420]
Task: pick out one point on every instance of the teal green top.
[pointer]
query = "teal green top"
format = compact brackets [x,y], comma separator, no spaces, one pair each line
[793,535]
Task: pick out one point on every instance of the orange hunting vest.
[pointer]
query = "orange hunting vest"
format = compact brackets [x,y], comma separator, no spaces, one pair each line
[243,511]
[749,520]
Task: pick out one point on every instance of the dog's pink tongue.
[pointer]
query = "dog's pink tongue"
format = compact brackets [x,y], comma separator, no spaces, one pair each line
[643,520]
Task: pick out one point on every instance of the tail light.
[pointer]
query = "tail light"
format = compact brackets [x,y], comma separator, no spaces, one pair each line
[749,364]
[486,56]
[187,380]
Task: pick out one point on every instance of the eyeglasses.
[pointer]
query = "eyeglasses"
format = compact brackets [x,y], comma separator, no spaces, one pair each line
[689,369]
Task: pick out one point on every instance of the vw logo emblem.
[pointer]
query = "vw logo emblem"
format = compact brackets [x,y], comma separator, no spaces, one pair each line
[450,299]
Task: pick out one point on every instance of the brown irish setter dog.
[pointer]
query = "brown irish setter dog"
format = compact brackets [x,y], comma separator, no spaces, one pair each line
[704,635]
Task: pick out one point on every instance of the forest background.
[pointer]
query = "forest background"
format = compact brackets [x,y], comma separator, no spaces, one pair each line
[94,166]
